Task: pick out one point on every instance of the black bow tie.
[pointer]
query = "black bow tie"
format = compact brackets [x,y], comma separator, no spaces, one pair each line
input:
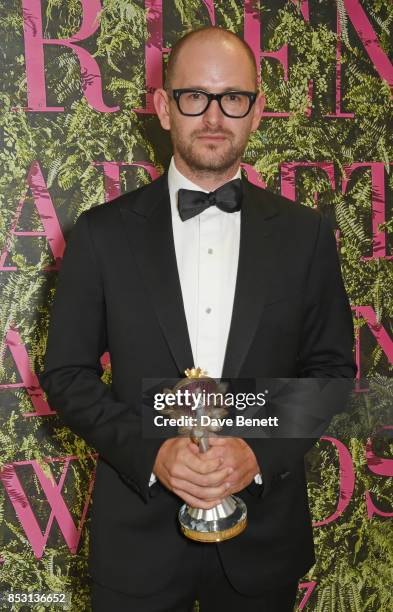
[228,198]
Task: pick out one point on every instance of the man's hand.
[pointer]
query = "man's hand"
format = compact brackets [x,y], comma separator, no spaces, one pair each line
[200,479]
[239,456]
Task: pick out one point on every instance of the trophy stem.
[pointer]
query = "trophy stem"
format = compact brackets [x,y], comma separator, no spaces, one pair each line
[226,508]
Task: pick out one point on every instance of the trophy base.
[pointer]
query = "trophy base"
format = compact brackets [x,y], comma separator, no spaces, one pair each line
[224,521]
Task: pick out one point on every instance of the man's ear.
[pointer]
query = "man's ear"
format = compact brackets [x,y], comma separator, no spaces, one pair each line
[161,105]
[259,105]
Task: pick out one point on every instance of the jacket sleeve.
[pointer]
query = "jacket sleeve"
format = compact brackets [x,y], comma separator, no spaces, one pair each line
[72,369]
[326,351]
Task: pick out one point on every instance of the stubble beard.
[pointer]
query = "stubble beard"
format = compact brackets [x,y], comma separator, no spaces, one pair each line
[212,158]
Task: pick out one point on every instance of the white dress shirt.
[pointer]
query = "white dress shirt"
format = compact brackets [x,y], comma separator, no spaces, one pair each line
[207,254]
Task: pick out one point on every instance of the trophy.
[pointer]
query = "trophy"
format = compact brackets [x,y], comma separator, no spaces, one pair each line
[228,518]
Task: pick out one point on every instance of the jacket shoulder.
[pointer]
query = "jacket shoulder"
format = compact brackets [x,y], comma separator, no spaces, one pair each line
[132,200]
[290,210]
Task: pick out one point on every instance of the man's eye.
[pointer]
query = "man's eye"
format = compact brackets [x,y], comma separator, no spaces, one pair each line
[194,95]
[233,97]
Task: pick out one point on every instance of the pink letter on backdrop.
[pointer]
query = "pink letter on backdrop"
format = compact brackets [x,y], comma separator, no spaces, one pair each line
[154,50]
[347,481]
[309,586]
[46,211]
[380,466]
[253,176]
[252,35]
[105,360]
[30,382]
[367,35]
[377,330]
[338,112]
[54,498]
[112,175]
[288,176]
[153,53]
[377,170]
[34,56]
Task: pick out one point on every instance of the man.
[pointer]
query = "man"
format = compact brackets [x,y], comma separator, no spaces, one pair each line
[249,288]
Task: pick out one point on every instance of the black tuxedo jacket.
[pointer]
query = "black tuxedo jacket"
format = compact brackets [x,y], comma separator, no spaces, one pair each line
[119,290]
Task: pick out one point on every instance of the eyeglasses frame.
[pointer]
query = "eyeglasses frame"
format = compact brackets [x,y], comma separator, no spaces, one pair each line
[176,93]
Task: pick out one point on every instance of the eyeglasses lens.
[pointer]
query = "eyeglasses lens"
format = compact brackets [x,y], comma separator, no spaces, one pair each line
[195,102]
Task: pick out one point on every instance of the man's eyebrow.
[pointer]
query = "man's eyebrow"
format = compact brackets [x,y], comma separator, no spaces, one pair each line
[233,88]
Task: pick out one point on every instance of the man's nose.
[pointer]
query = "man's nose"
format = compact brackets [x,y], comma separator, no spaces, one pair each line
[213,114]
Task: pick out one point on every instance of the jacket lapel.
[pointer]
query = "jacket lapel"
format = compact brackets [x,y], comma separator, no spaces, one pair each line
[148,225]
[258,244]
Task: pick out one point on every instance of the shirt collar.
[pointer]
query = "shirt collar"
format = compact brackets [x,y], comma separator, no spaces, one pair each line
[177,180]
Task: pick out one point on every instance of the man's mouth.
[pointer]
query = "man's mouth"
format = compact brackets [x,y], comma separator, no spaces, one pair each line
[212,137]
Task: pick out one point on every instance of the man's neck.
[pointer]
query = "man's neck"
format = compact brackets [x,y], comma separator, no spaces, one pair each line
[206,179]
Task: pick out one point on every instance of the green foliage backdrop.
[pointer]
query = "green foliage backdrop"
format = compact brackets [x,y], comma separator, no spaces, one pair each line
[355,554]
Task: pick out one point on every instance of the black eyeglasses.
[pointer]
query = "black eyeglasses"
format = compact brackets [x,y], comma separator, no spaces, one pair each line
[193,102]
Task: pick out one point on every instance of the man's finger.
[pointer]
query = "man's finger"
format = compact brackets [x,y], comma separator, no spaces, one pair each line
[220,441]
[203,493]
[203,466]
[213,479]
[194,502]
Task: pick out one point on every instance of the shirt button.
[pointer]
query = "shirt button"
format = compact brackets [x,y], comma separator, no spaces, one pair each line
[210,251]
[208,310]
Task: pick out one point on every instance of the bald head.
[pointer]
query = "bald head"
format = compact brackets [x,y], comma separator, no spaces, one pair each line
[222,39]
